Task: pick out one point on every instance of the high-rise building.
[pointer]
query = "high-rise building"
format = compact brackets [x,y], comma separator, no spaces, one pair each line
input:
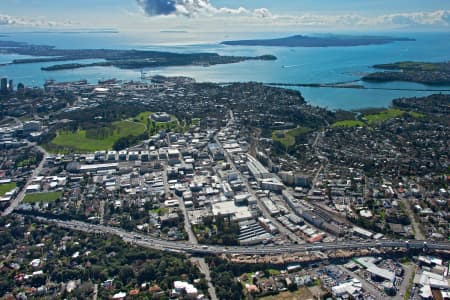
[4,86]
[11,86]
[20,87]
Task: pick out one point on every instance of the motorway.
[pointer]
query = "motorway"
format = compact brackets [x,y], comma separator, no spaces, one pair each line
[195,249]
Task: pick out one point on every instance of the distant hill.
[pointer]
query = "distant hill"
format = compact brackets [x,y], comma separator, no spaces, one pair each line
[319,41]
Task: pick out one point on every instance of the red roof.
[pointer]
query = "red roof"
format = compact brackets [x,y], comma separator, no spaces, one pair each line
[134,292]
[316,238]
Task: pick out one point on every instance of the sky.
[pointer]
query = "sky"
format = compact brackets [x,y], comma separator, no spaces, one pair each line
[229,15]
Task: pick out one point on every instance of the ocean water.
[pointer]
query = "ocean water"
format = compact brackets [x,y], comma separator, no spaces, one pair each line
[294,65]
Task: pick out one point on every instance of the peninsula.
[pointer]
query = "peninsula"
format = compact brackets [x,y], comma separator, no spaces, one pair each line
[319,41]
[419,72]
[124,59]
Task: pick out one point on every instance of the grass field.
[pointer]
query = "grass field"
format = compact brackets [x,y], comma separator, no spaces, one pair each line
[249,279]
[411,65]
[416,114]
[384,116]
[274,272]
[301,294]
[349,123]
[143,117]
[160,211]
[153,126]
[287,138]
[374,116]
[79,141]
[42,197]
[7,187]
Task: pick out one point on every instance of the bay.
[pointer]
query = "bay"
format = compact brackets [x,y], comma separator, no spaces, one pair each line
[294,65]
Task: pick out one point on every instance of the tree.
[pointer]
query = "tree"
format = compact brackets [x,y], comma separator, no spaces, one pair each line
[147,273]
[5,238]
[5,285]
[38,280]
[126,273]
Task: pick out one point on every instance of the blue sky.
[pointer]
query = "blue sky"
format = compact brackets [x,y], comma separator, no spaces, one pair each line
[281,6]
[214,14]
[331,6]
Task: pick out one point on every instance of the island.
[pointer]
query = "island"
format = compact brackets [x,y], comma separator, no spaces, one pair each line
[319,41]
[419,72]
[124,59]
[162,59]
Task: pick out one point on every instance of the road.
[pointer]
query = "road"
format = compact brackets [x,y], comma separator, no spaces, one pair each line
[410,271]
[19,198]
[283,230]
[418,234]
[200,262]
[187,224]
[366,285]
[315,179]
[316,140]
[95,294]
[189,248]
[204,268]
[102,212]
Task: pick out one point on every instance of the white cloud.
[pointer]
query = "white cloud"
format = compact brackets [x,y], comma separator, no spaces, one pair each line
[203,11]
[262,13]
[194,8]
[7,20]
[397,20]
[435,18]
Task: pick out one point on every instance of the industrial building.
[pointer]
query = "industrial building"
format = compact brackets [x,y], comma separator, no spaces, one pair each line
[377,273]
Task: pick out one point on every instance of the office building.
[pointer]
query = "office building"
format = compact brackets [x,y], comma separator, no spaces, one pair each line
[4,86]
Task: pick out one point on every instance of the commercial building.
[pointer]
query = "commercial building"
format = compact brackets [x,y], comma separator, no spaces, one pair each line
[230,210]
[295,179]
[257,170]
[227,191]
[123,155]
[361,232]
[31,126]
[215,151]
[270,206]
[376,272]
[348,289]
[112,155]
[98,167]
[160,117]
[4,86]
[271,184]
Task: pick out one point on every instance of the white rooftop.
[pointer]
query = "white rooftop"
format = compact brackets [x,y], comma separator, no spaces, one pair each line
[228,208]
